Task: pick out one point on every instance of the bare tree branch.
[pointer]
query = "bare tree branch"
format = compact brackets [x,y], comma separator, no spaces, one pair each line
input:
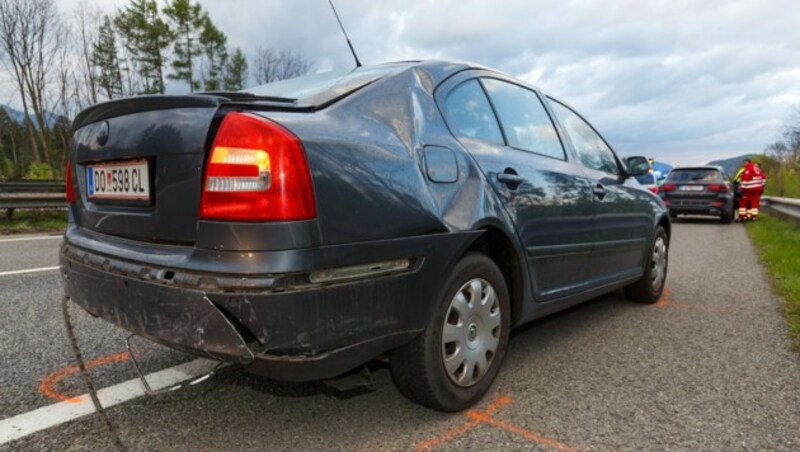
[272,65]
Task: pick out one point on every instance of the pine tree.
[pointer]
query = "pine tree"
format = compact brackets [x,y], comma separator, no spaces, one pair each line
[104,59]
[146,37]
[235,71]
[186,20]
[212,41]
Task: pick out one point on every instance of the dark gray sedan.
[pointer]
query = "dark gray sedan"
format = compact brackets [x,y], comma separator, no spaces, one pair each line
[305,227]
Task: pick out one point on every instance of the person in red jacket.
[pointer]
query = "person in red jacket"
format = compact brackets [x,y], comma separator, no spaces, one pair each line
[752,185]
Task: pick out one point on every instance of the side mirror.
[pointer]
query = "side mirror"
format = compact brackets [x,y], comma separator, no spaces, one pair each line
[637,166]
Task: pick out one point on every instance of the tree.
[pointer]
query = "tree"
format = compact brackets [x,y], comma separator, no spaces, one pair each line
[273,65]
[146,37]
[11,135]
[212,41]
[104,59]
[235,71]
[31,35]
[86,22]
[791,137]
[187,20]
[781,161]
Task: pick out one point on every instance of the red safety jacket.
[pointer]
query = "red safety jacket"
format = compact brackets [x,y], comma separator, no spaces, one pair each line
[753,178]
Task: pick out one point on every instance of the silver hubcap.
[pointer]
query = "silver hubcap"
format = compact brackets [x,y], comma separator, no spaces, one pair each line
[659,263]
[471,332]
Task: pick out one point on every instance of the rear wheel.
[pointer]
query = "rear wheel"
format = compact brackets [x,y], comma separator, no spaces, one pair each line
[726,217]
[648,289]
[452,364]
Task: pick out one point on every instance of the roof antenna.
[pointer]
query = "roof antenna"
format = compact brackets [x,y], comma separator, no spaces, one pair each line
[358,63]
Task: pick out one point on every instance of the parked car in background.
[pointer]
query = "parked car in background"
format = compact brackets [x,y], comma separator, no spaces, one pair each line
[702,190]
[415,210]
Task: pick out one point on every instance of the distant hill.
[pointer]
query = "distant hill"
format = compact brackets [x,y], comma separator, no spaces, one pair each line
[732,164]
[19,116]
[15,114]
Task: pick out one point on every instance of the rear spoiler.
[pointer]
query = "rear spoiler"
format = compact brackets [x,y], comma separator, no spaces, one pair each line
[138,104]
[130,105]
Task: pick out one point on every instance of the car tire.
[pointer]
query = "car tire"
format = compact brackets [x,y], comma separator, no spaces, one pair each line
[726,218]
[650,286]
[447,375]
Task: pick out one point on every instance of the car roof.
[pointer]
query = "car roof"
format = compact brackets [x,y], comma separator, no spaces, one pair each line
[320,89]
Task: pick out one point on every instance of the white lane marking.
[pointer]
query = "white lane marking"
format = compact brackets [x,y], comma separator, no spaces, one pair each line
[37,237]
[29,270]
[58,413]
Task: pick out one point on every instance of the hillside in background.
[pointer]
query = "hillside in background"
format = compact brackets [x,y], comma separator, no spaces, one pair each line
[19,117]
[732,164]
[15,114]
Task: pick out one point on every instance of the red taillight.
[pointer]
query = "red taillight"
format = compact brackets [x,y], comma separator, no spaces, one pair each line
[257,171]
[667,187]
[70,186]
[653,190]
[722,188]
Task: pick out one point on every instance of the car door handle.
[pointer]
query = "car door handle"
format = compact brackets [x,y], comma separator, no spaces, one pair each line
[510,179]
[599,191]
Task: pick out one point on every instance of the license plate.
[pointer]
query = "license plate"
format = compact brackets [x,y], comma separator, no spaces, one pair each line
[691,187]
[128,180]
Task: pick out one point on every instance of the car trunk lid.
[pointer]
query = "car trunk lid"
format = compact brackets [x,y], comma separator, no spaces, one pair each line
[151,148]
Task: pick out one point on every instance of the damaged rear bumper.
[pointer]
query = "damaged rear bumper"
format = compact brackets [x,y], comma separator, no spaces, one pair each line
[273,319]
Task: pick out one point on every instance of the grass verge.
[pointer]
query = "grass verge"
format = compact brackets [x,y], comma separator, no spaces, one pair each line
[29,221]
[778,244]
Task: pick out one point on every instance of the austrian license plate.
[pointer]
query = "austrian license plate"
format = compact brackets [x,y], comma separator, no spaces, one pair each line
[691,187]
[128,180]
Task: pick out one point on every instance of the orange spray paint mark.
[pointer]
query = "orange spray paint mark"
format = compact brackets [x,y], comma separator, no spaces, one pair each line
[485,417]
[520,431]
[48,383]
[664,301]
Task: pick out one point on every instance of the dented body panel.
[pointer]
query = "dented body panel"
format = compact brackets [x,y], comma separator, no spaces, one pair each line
[391,183]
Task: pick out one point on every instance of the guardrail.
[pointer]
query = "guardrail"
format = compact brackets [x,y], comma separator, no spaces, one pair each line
[24,194]
[787,207]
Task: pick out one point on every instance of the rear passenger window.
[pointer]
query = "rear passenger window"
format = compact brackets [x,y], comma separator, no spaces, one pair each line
[524,119]
[592,151]
[694,175]
[470,113]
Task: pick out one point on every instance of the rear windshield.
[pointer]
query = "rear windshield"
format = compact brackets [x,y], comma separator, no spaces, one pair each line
[325,86]
[695,175]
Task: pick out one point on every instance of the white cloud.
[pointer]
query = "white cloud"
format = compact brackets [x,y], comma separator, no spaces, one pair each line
[676,78]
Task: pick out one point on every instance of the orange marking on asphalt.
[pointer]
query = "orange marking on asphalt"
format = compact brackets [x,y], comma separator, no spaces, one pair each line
[48,383]
[664,301]
[447,436]
[497,404]
[551,443]
[485,417]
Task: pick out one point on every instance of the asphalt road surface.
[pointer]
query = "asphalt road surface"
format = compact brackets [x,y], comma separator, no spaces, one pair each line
[707,368]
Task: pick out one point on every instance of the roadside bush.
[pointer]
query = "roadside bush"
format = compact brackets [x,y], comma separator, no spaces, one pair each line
[39,171]
[6,168]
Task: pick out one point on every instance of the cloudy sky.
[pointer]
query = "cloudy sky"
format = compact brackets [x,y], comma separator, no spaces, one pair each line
[684,81]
